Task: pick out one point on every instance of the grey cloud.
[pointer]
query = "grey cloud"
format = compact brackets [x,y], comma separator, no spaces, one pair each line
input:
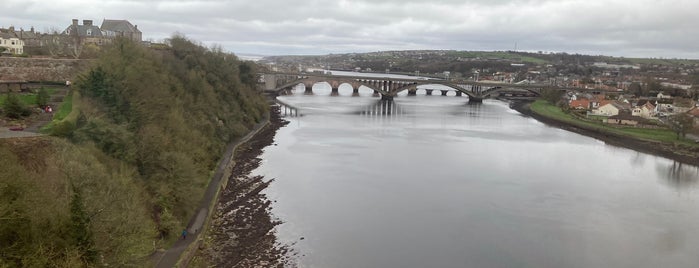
[616,27]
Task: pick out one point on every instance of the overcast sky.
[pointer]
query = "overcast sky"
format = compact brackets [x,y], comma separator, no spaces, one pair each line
[632,28]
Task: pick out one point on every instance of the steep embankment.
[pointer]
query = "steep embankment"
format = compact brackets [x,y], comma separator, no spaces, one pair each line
[125,174]
[676,151]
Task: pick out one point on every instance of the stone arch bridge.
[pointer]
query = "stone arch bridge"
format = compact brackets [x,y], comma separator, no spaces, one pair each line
[389,87]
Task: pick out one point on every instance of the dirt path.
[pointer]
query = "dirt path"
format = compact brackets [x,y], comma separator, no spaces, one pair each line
[5,133]
[242,229]
[36,121]
[170,257]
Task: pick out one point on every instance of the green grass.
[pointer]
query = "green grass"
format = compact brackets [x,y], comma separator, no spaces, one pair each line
[65,108]
[545,109]
[65,111]
[499,54]
[28,99]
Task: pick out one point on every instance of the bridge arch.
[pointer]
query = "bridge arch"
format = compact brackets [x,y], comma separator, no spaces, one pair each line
[388,87]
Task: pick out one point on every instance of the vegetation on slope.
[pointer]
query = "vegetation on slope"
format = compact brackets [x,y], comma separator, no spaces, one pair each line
[135,160]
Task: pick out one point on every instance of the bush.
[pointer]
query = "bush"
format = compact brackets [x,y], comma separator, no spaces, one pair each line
[63,128]
[14,108]
[42,97]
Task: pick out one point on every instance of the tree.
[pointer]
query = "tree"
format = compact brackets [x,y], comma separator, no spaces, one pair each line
[76,41]
[54,42]
[551,95]
[652,86]
[681,124]
[42,97]
[14,108]
[636,89]
[80,230]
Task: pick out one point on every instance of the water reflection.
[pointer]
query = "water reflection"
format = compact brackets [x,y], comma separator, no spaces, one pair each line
[287,110]
[638,159]
[679,175]
[475,185]
[383,108]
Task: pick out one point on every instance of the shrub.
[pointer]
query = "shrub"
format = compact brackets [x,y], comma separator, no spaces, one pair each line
[14,108]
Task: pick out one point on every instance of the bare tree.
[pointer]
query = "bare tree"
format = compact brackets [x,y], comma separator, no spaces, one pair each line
[681,124]
[54,42]
[76,42]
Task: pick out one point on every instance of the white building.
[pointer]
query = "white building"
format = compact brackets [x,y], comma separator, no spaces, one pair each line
[646,110]
[10,41]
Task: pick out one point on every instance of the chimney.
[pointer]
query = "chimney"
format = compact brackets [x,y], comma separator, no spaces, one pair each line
[12,29]
[87,22]
[75,22]
[136,26]
[32,30]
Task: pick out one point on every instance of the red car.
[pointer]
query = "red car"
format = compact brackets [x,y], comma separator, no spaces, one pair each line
[17,128]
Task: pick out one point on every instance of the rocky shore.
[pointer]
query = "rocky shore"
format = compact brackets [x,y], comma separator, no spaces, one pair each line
[242,228]
[681,153]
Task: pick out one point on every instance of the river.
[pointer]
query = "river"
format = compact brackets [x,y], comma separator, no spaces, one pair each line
[431,181]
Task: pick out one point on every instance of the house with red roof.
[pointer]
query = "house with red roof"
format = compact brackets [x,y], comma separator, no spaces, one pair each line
[581,104]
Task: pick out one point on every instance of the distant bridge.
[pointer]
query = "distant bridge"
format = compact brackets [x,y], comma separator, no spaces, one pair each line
[389,87]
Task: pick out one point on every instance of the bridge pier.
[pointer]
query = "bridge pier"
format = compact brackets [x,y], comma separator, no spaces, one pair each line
[459,93]
[308,91]
[444,92]
[335,92]
[475,100]
[429,92]
[355,92]
[376,93]
[412,92]
[386,97]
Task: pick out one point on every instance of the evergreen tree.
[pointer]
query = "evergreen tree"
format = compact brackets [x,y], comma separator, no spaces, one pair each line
[80,231]
[14,108]
[42,97]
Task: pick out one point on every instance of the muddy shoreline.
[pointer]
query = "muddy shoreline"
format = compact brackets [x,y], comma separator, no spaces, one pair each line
[242,232]
[679,153]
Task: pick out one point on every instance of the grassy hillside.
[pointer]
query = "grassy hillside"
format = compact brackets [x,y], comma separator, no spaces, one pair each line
[127,168]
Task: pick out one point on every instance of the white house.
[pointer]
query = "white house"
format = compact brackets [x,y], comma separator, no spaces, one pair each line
[663,96]
[10,41]
[646,110]
[608,109]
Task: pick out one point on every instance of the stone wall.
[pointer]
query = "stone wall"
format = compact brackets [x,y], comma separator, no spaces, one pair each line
[40,69]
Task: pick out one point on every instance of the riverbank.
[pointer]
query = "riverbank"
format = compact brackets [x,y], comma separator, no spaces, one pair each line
[241,231]
[181,252]
[678,152]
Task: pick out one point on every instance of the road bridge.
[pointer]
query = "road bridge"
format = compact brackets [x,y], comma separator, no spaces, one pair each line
[389,87]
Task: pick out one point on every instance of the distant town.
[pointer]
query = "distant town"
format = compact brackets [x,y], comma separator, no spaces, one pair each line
[75,39]
[628,91]
[616,90]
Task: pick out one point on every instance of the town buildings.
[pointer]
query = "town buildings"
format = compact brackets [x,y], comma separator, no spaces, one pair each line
[67,43]
[11,43]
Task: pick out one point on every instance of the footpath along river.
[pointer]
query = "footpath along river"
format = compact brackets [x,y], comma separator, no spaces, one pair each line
[431,181]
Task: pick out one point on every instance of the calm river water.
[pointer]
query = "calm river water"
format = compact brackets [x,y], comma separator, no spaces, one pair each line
[435,182]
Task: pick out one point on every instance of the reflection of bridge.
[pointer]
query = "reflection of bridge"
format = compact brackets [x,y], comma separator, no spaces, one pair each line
[389,87]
